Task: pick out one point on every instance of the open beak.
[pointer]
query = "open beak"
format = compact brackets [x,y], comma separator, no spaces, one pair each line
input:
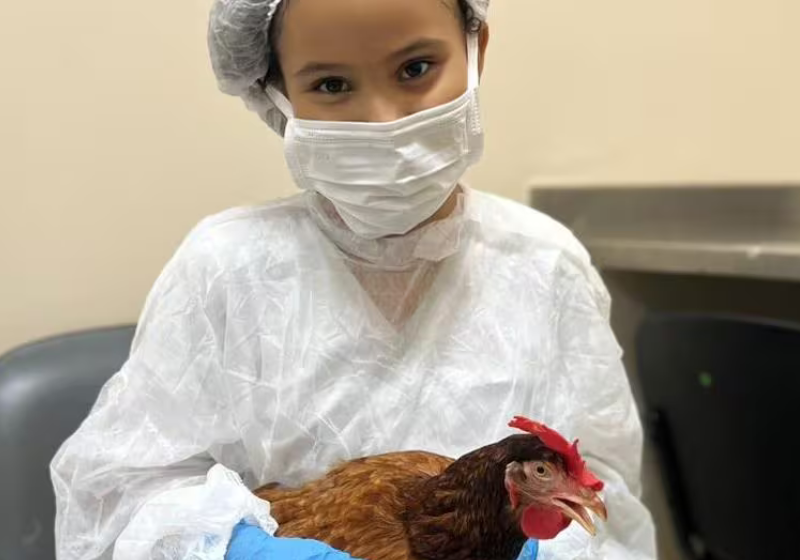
[577,508]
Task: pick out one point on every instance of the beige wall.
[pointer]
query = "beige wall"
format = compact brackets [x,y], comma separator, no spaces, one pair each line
[610,91]
[115,142]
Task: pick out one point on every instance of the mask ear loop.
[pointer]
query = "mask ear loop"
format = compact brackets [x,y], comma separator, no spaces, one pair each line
[473,61]
[280,101]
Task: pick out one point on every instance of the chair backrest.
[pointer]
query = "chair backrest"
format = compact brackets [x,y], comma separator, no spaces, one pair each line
[722,398]
[46,390]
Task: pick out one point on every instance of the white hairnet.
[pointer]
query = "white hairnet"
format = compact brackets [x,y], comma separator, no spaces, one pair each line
[277,343]
[238,41]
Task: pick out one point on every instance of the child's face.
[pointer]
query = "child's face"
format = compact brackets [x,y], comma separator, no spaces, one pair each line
[372,60]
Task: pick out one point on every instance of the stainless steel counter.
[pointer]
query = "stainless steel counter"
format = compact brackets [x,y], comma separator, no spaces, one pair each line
[745,231]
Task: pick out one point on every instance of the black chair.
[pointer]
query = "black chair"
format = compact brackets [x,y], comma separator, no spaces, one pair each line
[722,397]
[46,390]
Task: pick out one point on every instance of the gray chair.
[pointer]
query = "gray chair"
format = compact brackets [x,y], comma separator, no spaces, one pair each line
[46,390]
[721,398]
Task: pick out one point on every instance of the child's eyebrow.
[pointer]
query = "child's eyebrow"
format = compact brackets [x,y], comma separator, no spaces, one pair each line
[319,67]
[328,67]
[417,45]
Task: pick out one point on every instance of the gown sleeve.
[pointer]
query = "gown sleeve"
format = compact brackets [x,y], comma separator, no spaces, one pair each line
[138,480]
[587,396]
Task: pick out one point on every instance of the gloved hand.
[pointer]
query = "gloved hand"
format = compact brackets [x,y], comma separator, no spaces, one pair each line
[249,542]
[530,551]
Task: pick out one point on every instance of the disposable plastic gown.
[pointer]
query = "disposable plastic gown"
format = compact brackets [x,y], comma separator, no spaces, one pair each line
[276,344]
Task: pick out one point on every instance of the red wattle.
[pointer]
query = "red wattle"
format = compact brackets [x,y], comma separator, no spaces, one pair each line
[543,524]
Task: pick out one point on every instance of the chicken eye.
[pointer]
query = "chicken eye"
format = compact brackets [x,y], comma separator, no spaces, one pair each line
[541,470]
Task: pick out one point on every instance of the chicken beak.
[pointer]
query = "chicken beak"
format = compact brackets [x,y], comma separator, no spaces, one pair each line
[578,506]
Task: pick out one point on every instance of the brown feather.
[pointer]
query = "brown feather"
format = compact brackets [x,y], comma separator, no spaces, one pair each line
[410,505]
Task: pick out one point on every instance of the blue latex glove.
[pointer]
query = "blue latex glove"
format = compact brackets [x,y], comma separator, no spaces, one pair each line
[530,551]
[252,543]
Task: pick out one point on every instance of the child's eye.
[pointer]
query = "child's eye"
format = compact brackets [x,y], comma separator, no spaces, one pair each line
[414,70]
[332,86]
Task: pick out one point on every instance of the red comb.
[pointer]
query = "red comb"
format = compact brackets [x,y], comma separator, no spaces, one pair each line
[576,466]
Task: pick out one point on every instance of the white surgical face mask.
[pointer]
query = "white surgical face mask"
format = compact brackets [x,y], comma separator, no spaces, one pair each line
[387,178]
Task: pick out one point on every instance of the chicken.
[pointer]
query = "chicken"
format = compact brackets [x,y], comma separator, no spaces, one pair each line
[422,506]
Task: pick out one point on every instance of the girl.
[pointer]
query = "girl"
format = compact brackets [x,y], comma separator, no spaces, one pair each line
[386,308]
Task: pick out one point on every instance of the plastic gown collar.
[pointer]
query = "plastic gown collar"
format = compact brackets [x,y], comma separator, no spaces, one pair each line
[433,242]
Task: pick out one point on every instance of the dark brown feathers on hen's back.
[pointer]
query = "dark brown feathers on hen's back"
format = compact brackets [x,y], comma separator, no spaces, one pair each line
[357,507]
[412,505]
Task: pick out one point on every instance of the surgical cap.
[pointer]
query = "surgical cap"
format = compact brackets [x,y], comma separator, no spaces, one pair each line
[238,41]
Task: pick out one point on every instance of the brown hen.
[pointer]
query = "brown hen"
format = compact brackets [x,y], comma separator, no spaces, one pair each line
[422,506]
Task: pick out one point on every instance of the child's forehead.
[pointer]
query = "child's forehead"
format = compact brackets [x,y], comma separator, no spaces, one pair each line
[354,28]
[366,17]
